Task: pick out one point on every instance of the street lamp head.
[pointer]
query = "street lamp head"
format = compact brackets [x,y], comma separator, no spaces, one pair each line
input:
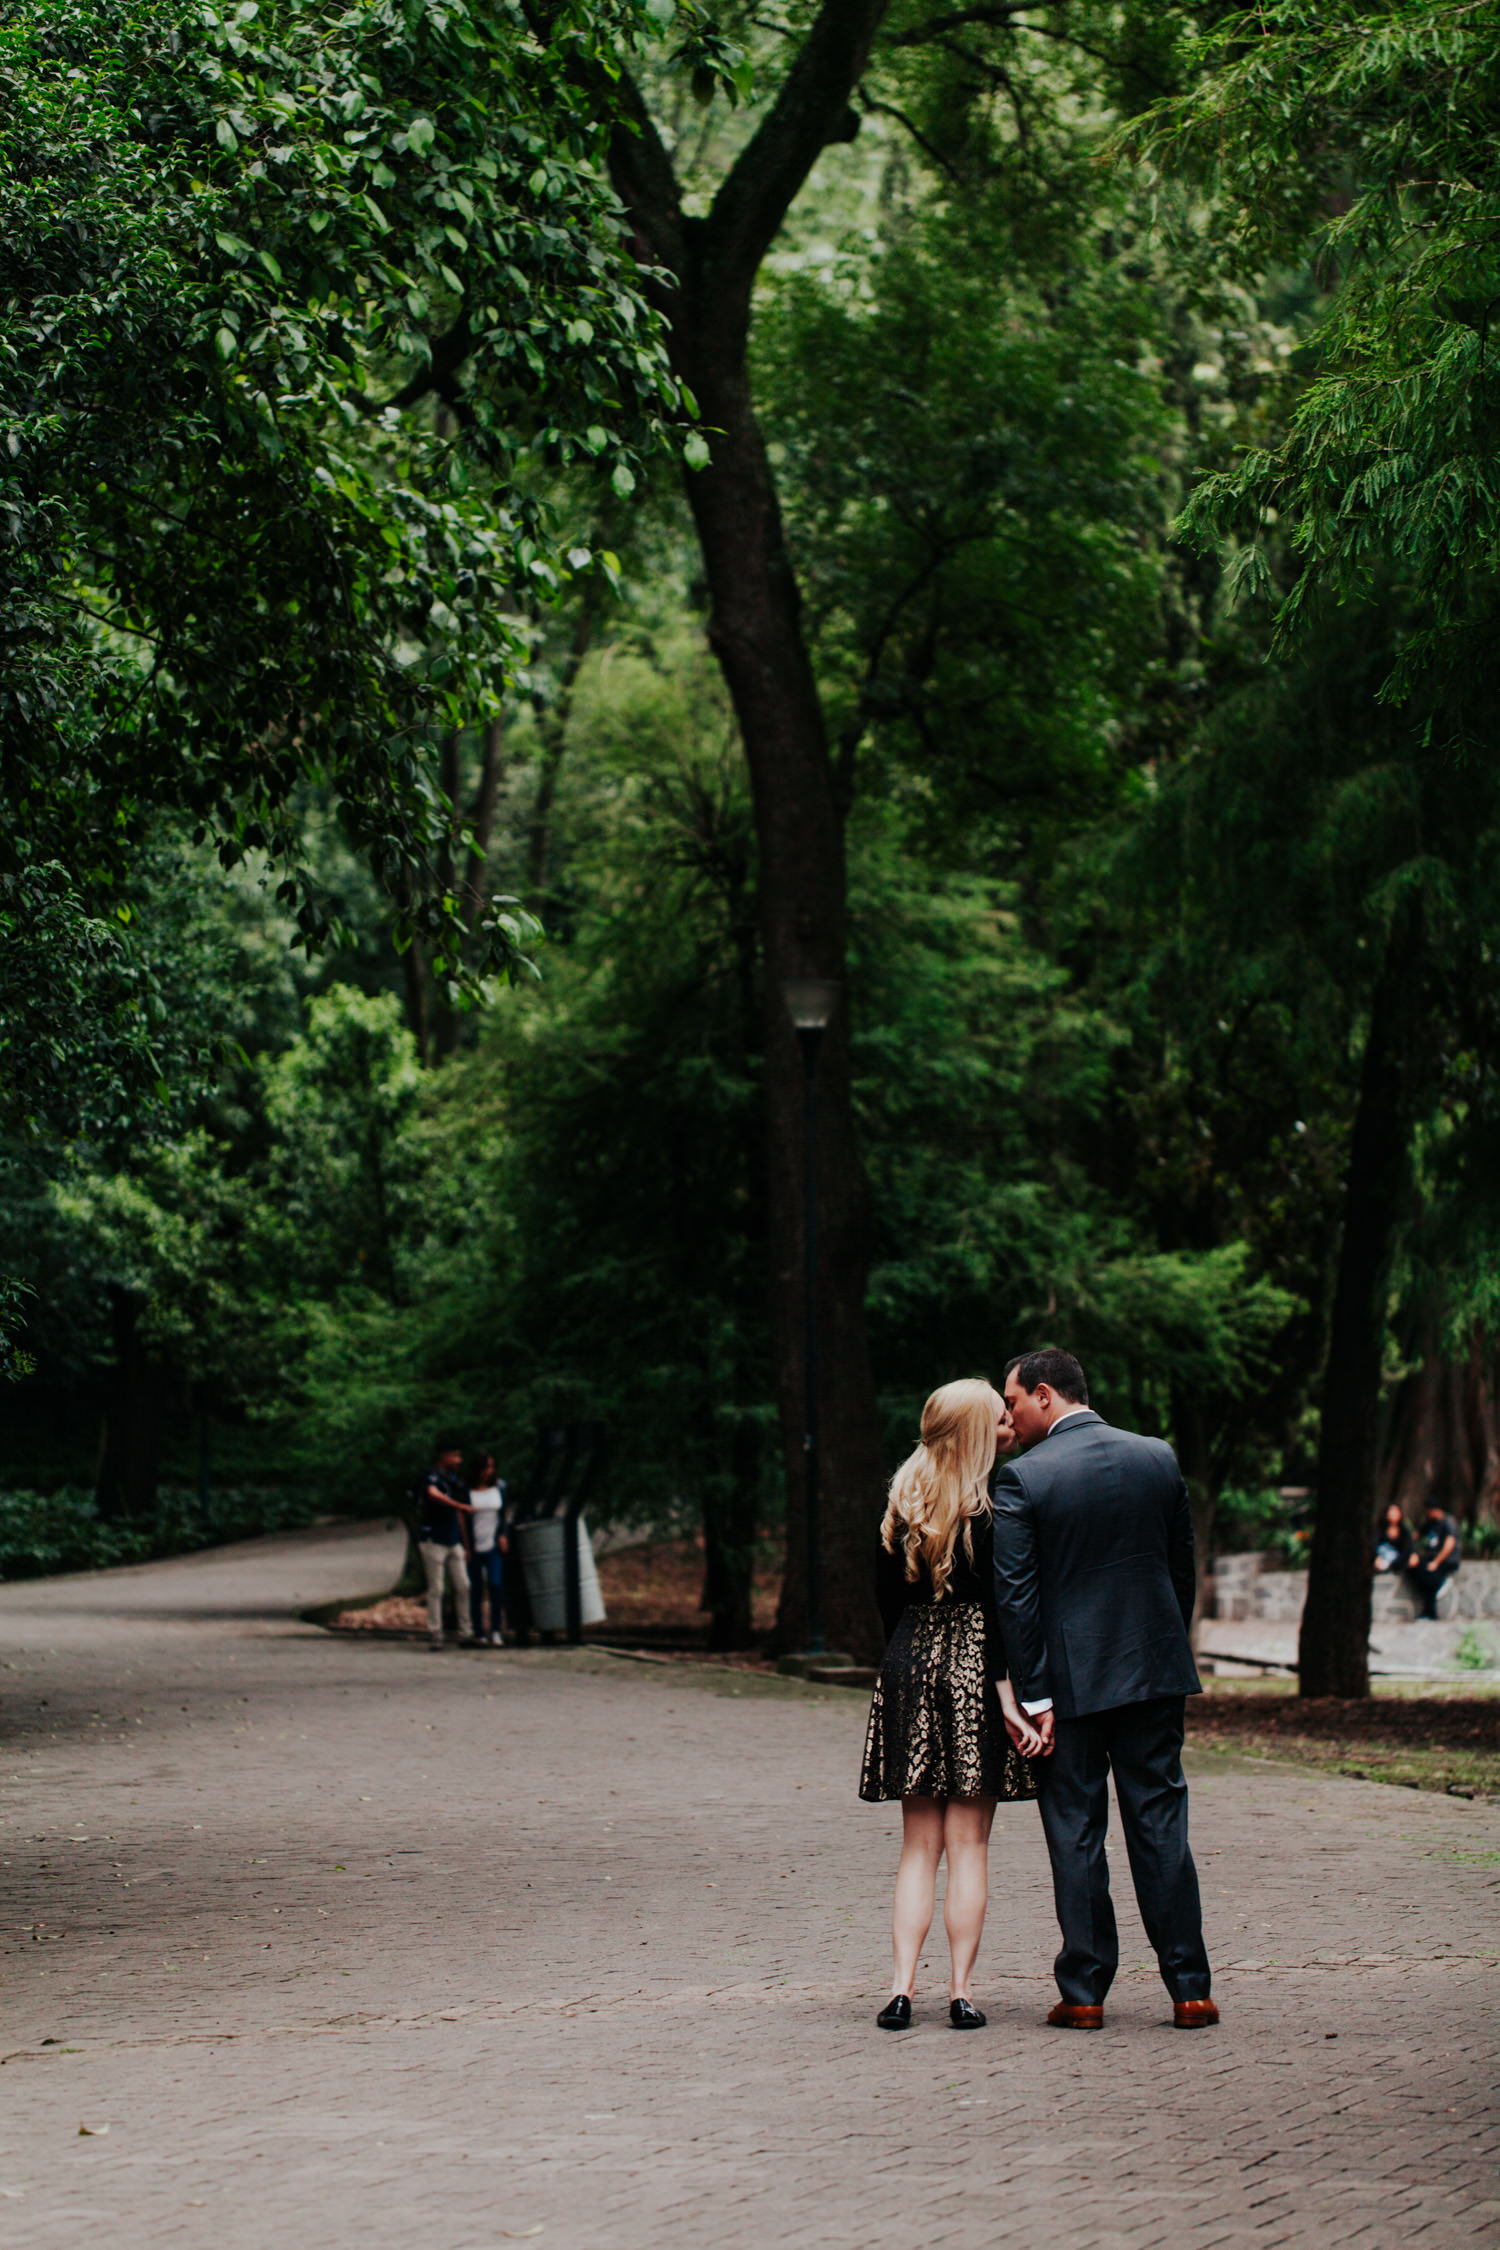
[810,1001]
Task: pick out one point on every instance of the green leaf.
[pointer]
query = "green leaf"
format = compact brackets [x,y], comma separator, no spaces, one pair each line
[695,450]
[420,135]
[226,343]
[623,479]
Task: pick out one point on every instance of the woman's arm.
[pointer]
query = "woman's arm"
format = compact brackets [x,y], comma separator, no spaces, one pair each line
[984,1571]
[891,1591]
[1020,1729]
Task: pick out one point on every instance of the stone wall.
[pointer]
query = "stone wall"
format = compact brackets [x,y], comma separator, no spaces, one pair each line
[1260,1586]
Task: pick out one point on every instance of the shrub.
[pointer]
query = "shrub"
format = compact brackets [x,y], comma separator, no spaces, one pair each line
[1263,1522]
[42,1533]
[62,1531]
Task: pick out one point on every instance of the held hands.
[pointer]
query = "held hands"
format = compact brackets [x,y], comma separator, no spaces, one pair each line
[1024,1735]
[1032,1737]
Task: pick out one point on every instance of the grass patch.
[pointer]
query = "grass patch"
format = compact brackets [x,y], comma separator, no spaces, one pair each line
[1446,1742]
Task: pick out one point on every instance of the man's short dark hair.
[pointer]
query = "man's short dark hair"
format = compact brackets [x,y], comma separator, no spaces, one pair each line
[447,1444]
[1060,1372]
[1005,1372]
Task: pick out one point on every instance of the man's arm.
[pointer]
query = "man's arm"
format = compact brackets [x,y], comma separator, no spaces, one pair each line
[1180,1552]
[435,1492]
[1017,1594]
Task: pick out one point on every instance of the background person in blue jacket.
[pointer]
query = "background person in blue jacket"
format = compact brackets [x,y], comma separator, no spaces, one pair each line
[441,1541]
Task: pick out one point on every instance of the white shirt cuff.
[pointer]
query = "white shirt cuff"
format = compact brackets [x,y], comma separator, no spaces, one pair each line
[1032,1709]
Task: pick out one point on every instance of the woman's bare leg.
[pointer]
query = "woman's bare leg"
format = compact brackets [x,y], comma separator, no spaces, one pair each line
[916,1886]
[966,1839]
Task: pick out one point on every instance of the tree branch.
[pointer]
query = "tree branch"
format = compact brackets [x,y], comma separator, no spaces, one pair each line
[645,181]
[810,111]
[857,725]
[999,19]
[440,374]
[930,150]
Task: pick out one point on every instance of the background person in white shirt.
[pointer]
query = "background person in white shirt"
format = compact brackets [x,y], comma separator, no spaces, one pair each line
[491,1545]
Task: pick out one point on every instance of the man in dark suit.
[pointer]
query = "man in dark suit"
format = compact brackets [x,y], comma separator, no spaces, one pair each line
[1094,1582]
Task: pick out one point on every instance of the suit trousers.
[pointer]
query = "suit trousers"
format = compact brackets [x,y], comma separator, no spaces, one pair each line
[1141,1744]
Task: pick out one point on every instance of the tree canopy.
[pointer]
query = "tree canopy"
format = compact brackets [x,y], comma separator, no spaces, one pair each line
[1363,139]
[673,501]
[243,255]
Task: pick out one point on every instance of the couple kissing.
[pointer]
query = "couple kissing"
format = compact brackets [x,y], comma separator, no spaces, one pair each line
[1037,1642]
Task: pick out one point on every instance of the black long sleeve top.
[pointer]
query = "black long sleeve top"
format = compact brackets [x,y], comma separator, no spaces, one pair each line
[967,1582]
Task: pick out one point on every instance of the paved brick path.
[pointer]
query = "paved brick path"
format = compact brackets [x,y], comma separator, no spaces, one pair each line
[345,1943]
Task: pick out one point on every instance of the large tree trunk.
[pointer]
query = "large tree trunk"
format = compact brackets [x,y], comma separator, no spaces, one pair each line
[731,1510]
[552,739]
[757,635]
[1443,1427]
[731,1506]
[134,1417]
[1482,1392]
[446,1021]
[1333,1649]
[1195,1459]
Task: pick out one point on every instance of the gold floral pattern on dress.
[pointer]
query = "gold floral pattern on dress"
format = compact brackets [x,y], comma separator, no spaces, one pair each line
[935,1725]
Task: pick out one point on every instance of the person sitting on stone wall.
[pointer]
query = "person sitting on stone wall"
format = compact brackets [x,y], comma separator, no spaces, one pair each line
[1395,1541]
[1435,1558]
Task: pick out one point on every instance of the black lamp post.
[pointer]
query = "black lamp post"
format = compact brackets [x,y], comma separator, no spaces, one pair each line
[810,1002]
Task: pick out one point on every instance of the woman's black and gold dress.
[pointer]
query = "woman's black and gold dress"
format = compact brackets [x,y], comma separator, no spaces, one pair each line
[935,1723]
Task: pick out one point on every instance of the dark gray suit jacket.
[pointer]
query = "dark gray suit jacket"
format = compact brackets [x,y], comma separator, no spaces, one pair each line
[1094,1573]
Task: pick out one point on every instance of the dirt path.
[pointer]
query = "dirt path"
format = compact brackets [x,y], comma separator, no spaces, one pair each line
[340,1940]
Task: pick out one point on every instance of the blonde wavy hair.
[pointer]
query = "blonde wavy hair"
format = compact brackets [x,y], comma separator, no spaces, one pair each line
[939,1491]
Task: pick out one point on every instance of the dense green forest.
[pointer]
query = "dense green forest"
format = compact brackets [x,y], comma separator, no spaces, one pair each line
[528,527]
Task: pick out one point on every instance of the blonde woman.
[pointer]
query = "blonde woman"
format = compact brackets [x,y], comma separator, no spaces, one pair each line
[946,1734]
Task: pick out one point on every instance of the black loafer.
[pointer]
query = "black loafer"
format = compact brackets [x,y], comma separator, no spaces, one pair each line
[896,2014]
[964,2016]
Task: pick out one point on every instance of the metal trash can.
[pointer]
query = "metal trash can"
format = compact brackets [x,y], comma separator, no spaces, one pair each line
[543,1556]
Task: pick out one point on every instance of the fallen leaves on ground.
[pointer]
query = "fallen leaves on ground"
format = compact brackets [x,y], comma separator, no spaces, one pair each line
[1424,1742]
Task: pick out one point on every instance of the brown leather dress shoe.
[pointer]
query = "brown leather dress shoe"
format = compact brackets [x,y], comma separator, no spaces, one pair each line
[1187,2015]
[1071,2018]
